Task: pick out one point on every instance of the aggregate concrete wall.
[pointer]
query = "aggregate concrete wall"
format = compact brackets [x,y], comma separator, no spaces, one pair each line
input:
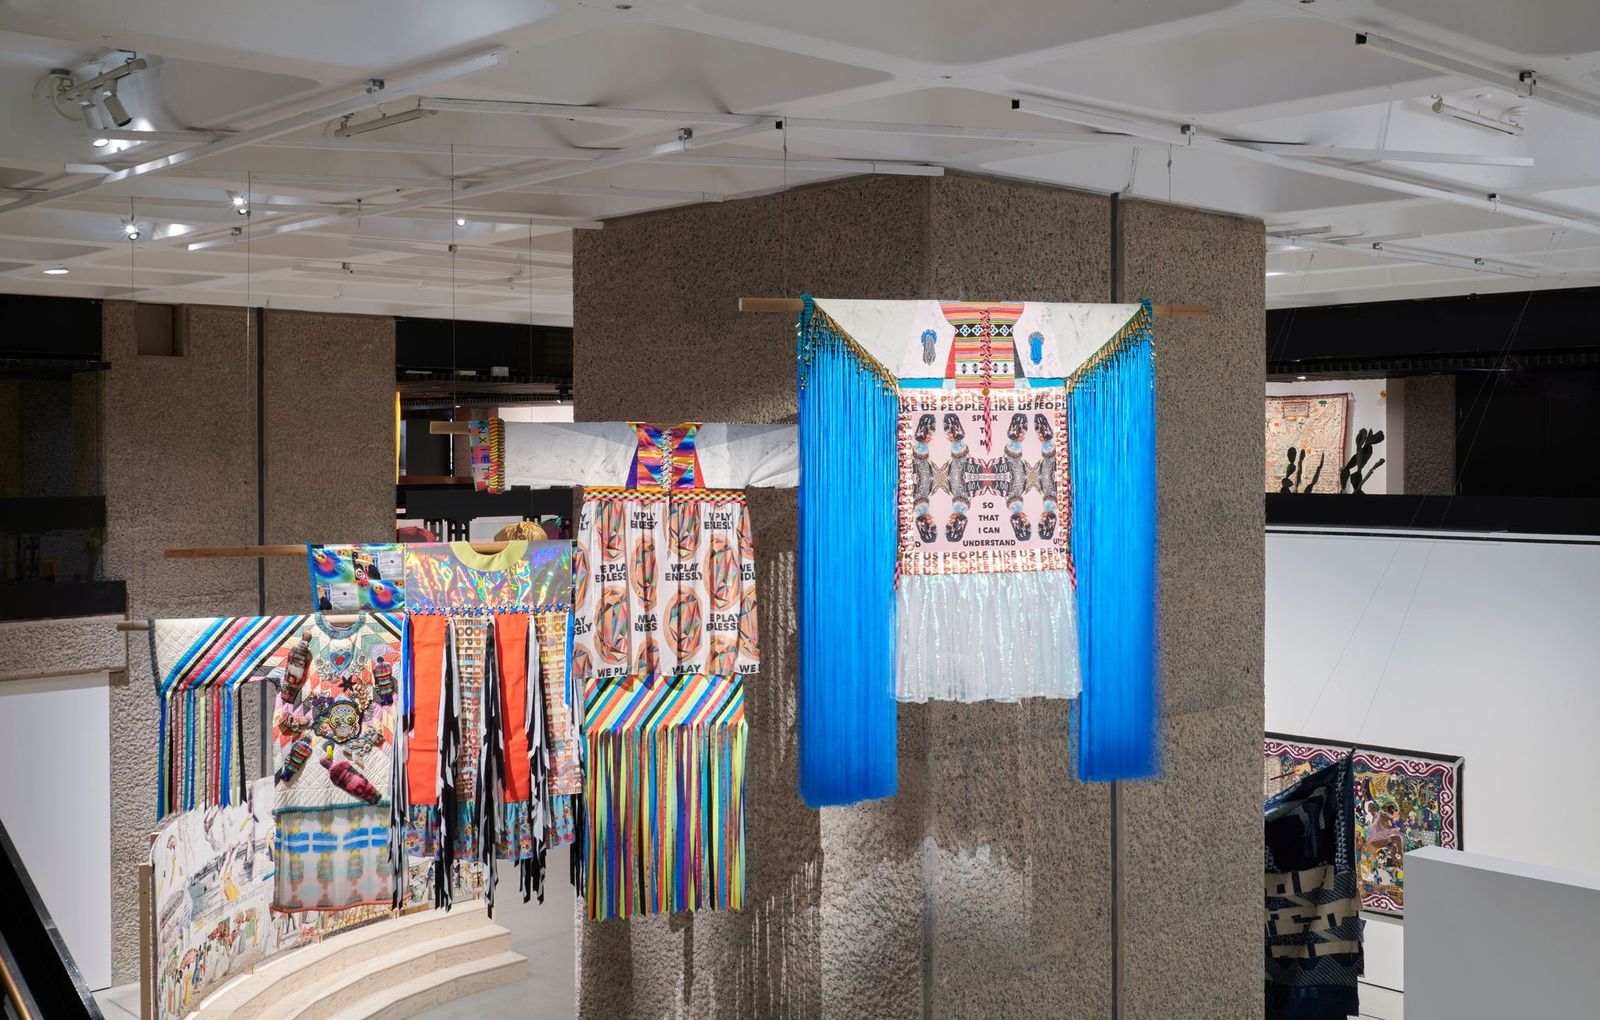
[1191,877]
[1430,435]
[985,886]
[180,455]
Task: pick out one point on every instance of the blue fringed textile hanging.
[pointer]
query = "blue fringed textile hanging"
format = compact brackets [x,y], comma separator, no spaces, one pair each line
[848,536]
[1111,404]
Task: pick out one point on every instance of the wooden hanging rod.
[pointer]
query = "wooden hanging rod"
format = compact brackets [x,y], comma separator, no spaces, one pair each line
[260,551]
[331,619]
[449,428]
[795,306]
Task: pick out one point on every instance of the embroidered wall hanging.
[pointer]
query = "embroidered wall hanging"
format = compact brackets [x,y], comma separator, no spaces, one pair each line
[1403,800]
[1315,426]
[985,457]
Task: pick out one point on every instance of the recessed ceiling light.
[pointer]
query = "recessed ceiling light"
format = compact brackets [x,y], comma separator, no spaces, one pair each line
[461,221]
[1300,378]
[1275,272]
[100,143]
[57,271]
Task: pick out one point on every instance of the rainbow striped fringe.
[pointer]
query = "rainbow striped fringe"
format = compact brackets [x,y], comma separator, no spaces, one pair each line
[664,797]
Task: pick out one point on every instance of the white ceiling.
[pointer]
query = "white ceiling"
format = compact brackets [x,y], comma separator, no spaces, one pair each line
[1151,98]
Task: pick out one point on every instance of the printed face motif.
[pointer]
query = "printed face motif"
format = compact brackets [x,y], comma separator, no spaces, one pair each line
[685,623]
[580,576]
[642,571]
[611,626]
[724,648]
[609,517]
[683,529]
[647,657]
[722,572]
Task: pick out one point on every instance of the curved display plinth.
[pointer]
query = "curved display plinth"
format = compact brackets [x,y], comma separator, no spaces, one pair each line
[389,969]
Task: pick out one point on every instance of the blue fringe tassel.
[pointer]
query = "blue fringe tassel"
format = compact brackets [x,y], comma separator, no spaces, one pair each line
[848,538]
[1112,433]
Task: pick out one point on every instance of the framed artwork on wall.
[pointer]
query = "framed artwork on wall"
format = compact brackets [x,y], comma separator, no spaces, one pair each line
[1404,800]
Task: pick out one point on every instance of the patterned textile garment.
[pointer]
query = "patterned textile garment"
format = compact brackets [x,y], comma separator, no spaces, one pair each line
[453,581]
[347,578]
[665,631]
[333,728]
[995,463]
[487,451]
[200,664]
[1313,902]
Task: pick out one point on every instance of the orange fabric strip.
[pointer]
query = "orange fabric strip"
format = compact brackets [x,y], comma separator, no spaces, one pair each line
[511,651]
[427,684]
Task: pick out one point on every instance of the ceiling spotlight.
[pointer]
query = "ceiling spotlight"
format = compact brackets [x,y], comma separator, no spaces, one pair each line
[236,198]
[131,230]
[57,271]
[114,109]
[461,221]
[97,94]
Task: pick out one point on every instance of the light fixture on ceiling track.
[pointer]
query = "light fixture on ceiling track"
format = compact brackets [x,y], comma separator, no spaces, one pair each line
[239,204]
[461,221]
[130,229]
[96,98]
[1505,127]
[1519,82]
[349,130]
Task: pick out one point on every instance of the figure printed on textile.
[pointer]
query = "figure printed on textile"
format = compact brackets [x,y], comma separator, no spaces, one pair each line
[333,730]
[968,504]
[1403,801]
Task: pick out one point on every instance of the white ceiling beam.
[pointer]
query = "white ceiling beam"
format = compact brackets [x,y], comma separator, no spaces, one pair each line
[1353,155]
[1522,82]
[381,90]
[134,135]
[1378,249]
[1188,135]
[592,113]
[819,166]
[479,255]
[637,154]
[527,152]
[347,212]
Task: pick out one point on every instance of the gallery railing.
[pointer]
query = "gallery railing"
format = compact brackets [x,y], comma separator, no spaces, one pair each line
[38,977]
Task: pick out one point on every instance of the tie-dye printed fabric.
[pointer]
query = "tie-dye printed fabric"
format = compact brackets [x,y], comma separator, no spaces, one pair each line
[664,586]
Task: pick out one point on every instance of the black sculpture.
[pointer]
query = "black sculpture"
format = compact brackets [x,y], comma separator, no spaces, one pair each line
[1297,463]
[1355,471]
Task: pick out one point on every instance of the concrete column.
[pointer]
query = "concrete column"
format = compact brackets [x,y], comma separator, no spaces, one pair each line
[985,886]
[1430,435]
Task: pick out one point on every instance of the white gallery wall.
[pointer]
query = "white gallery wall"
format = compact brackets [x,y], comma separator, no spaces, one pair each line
[1487,649]
[55,800]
